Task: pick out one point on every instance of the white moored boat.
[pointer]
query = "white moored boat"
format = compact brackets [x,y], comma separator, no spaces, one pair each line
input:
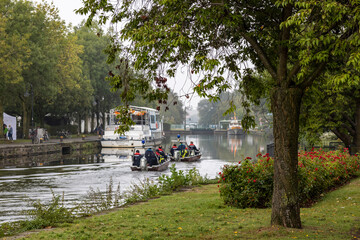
[235,127]
[147,131]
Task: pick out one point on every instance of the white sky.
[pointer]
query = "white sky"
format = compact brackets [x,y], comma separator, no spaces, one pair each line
[179,84]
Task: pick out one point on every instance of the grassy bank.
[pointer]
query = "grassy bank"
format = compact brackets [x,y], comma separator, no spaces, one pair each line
[200,214]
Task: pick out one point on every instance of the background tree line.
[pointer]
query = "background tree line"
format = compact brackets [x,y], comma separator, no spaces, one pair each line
[59,70]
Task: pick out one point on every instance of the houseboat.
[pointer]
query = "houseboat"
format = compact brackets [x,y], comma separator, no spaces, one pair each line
[235,127]
[147,131]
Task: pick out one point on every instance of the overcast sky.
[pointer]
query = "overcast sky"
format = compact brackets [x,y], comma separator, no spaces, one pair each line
[179,84]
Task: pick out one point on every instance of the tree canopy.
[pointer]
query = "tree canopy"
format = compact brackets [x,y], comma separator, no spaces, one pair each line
[294,41]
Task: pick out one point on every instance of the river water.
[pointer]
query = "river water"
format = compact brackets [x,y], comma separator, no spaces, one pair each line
[74,176]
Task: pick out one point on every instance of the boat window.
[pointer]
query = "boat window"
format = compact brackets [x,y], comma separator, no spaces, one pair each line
[138,119]
[152,118]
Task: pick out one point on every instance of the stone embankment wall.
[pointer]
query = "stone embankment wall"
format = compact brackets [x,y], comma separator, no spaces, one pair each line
[45,148]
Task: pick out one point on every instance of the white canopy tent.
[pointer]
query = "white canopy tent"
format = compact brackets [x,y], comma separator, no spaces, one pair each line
[10,120]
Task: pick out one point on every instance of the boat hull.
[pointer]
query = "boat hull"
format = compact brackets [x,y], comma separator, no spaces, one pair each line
[236,131]
[160,167]
[188,159]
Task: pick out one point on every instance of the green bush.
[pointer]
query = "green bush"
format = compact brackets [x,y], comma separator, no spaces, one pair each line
[179,179]
[250,184]
[52,214]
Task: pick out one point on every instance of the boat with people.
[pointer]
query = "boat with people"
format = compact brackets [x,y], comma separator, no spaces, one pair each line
[181,151]
[147,131]
[150,161]
[235,127]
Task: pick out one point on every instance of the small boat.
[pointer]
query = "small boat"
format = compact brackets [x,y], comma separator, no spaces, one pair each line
[145,167]
[193,154]
[188,158]
[147,131]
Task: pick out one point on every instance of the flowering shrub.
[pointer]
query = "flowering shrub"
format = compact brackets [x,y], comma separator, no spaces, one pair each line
[250,184]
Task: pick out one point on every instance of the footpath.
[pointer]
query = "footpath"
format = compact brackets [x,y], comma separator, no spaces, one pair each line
[7,143]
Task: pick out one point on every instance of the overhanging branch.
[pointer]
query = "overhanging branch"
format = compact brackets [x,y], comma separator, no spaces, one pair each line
[260,53]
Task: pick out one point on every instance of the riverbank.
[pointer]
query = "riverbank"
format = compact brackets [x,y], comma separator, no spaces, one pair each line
[199,213]
[23,148]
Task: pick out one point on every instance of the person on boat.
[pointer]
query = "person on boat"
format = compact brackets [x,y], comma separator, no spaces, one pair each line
[183,150]
[151,157]
[162,154]
[136,158]
[172,150]
[159,157]
[192,147]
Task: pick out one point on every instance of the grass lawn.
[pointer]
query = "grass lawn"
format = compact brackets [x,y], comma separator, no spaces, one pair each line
[200,214]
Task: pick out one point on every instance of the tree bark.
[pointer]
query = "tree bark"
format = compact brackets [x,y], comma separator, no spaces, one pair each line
[86,123]
[92,122]
[104,119]
[356,147]
[285,105]
[25,121]
[345,138]
[1,120]
[79,124]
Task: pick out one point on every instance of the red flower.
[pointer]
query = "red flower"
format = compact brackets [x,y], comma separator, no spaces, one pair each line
[316,169]
[254,180]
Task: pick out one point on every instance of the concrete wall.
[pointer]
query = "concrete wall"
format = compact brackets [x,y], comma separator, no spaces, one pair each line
[45,148]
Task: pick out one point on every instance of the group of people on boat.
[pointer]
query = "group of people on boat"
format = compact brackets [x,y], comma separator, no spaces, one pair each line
[159,156]
[152,158]
[184,150]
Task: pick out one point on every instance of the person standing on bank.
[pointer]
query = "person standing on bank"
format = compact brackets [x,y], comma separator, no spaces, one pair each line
[10,133]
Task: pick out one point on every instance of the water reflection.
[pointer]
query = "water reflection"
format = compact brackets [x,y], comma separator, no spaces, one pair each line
[74,174]
[227,147]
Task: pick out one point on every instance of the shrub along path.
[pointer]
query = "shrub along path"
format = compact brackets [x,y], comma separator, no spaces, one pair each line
[200,214]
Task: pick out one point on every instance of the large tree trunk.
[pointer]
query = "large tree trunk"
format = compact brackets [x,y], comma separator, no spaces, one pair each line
[92,122]
[25,120]
[86,123]
[1,120]
[104,120]
[79,124]
[355,148]
[285,105]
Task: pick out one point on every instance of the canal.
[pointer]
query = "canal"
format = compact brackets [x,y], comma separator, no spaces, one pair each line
[74,175]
